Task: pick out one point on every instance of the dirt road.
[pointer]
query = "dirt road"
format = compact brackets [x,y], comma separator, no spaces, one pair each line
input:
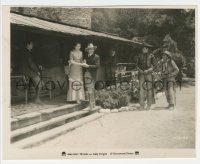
[158,128]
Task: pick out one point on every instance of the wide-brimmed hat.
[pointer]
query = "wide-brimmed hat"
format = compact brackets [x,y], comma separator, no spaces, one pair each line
[168,54]
[90,46]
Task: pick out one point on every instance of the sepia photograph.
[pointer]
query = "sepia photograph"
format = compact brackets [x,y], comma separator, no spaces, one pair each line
[100,82]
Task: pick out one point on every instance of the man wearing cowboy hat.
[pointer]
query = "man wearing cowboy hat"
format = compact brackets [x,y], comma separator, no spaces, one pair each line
[93,62]
[169,73]
[146,64]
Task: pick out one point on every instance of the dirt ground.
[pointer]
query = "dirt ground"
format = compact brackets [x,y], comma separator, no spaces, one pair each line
[157,128]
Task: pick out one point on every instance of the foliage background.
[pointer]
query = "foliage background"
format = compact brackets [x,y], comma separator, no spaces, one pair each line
[150,25]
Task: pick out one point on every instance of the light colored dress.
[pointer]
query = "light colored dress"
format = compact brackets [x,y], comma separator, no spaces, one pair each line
[76,87]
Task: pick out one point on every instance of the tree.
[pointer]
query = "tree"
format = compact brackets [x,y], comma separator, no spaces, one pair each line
[150,25]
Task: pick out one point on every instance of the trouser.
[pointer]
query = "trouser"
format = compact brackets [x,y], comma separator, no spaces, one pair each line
[90,88]
[110,75]
[146,89]
[170,92]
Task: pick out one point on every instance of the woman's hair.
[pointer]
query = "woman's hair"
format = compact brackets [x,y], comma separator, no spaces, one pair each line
[77,43]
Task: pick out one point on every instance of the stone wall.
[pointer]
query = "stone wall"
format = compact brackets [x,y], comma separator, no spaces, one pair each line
[80,17]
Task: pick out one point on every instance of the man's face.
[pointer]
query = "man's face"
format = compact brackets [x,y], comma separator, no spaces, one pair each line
[145,50]
[165,57]
[91,51]
[30,45]
[113,53]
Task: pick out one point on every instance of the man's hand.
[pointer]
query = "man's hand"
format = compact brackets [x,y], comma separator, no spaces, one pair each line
[146,72]
[38,73]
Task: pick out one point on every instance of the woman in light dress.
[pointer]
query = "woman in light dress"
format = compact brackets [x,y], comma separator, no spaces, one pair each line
[76,63]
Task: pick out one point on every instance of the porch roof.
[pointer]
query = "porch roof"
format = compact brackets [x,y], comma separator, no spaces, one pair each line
[28,21]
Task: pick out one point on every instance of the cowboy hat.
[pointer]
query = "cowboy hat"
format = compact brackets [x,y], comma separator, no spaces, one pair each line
[168,54]
[90,46]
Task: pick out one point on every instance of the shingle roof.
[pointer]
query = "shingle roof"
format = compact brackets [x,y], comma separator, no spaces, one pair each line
[28,21]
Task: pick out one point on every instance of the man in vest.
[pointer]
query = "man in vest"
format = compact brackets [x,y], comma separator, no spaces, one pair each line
[169,73]
[146,64]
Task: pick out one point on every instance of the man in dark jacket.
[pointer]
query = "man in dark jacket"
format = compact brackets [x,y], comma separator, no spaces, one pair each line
[110,66]
[93,62]
[146,64]
[30,69]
